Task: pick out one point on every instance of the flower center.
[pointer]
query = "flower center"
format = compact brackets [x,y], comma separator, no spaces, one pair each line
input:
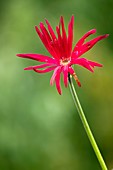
[65,62]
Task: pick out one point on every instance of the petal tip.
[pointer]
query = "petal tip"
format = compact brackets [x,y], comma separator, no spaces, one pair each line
[100,65]
[19,55]
[106,35]
[94,30]
[66,84]
[35,26]
[27,68]
[51,83]
[60,92]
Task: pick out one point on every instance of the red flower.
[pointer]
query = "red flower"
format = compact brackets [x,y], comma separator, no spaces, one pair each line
[60,48]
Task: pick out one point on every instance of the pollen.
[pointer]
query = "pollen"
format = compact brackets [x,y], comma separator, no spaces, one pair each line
[65,62]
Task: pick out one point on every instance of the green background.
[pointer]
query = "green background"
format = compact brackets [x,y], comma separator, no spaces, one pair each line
[39,129]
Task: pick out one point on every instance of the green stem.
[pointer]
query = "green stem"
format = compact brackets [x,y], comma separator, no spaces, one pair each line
[86,126]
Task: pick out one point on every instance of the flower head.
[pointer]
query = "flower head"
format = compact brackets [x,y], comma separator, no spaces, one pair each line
[62,58]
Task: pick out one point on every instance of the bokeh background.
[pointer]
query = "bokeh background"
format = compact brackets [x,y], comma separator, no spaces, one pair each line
[39,129]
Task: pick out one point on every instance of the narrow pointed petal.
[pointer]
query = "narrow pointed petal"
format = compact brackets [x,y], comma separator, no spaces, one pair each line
[79,50]
[87,46]
[64,38]
[93,64]
[83,62]
[65,73]
[50,30]
[70,35]
[38,66]
[81,41]
[59,34]
[78,46]
[52,44]
[39,32]
[38,57]
[45,41]
[57,80]
[59,41]
[54,75]
[71,70]
[45,32]
[45,70]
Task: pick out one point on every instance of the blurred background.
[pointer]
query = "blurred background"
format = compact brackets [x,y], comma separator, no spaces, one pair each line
[40,129]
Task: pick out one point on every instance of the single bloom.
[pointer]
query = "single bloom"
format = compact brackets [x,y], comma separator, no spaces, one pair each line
[62,56]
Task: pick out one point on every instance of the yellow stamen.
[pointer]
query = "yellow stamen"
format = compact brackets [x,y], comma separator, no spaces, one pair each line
[65,62]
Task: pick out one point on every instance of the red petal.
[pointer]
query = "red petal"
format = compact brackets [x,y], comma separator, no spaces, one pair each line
[63,29]
[79,44]
[64,37]
[70,35]
[65,73]
[44,38]
[39,32]
[57,80]
[81,48]
[59,41]
[38,66]
[81,41]
[54,75]
[87,46]
[50,30]
[45,32]
[38,57]
[45,70]
[93,64]
[83,62]
[71,70]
